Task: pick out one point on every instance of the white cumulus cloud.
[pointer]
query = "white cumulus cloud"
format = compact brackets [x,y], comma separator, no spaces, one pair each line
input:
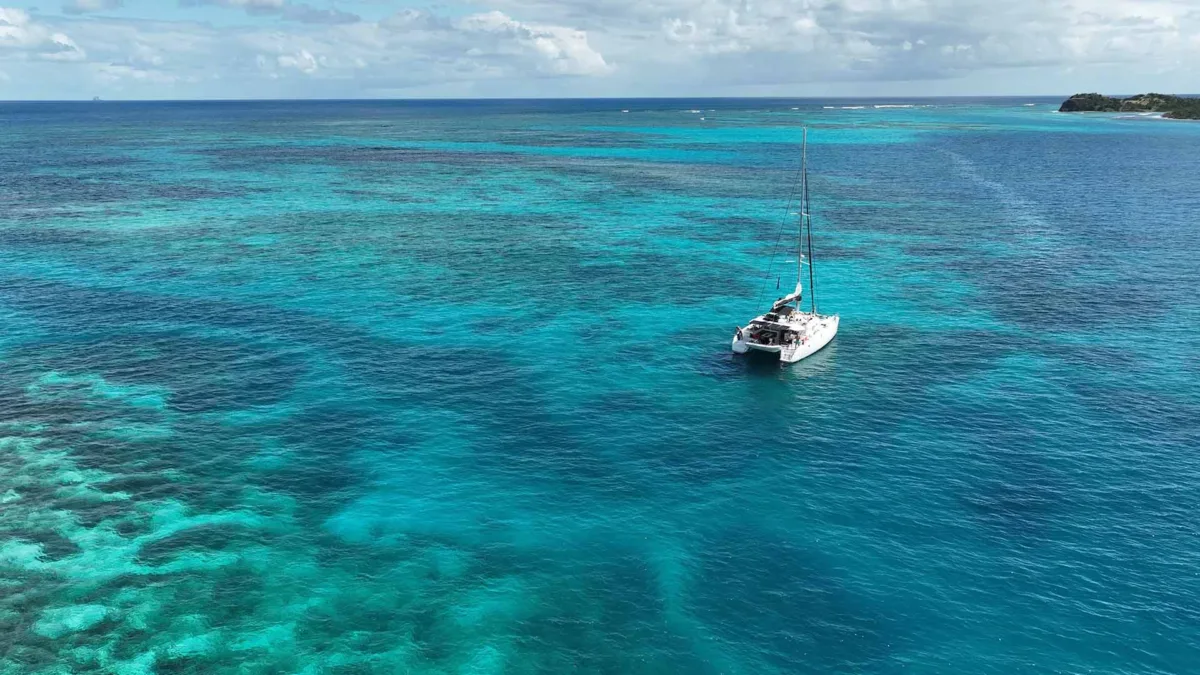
[302,61]
[724,42]
[613,47]
[23,38]
[559,50]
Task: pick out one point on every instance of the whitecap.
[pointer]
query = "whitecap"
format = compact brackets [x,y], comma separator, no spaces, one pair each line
[894,105]
[853,107]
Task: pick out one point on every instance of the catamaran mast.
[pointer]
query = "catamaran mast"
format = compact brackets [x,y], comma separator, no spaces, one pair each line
[812,287]
[803,213]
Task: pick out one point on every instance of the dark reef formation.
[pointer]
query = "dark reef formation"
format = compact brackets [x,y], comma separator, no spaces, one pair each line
[1175,107]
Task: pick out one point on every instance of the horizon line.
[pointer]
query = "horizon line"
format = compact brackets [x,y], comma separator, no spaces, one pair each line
[449,99]
[99,99]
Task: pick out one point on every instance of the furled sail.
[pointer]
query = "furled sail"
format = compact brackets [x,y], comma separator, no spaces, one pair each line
[788,299]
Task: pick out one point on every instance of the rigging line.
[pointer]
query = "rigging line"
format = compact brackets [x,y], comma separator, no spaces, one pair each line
[779,235]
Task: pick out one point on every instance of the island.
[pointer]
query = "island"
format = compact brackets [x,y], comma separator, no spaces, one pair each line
[1174,107]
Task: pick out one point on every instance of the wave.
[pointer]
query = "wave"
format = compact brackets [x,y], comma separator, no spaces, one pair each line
[1140,115]
[895,105]
[853,107]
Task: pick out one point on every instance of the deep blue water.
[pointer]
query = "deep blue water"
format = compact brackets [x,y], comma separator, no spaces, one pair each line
[445,387]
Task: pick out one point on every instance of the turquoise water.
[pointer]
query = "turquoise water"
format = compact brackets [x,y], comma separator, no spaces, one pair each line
[446,388]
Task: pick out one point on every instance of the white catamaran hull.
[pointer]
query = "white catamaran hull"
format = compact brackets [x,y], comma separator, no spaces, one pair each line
[821,332]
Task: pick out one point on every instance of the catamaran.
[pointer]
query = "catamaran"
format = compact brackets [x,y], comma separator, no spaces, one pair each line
[787,330]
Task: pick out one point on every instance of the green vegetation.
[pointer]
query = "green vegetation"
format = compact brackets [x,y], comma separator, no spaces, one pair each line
[1175,107]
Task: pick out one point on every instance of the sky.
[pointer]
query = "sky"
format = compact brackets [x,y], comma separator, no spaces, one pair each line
[238,49]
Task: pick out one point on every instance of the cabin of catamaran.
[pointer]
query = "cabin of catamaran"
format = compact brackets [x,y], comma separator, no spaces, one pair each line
[787,330]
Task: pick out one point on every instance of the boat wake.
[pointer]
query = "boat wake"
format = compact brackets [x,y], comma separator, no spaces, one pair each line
[1036,231]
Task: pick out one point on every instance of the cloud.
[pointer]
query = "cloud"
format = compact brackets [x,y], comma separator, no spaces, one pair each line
[412,48]
[85,6]
[557,50]
[302,61]
[724,41]
[486,51]
[23,38]
[283,8]
[617,47]
[113,73]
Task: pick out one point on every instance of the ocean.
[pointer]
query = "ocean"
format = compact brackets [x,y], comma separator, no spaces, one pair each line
[446,387]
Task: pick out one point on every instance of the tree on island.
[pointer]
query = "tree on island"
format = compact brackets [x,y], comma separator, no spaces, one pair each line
[1174,107]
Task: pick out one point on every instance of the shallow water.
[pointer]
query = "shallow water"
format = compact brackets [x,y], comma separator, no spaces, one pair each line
[445,387]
